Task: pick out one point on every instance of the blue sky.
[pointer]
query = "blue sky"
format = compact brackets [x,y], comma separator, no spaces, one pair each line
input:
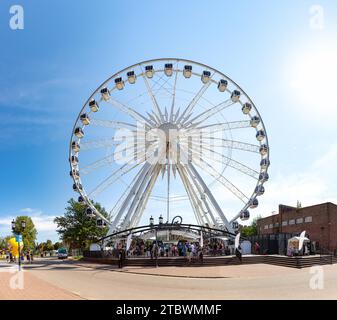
[67,48]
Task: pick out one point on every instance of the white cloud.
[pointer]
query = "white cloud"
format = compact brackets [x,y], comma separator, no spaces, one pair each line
[315,184]
[44,224]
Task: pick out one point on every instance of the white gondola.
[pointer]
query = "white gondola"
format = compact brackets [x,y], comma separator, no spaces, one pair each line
[79,132]
[74,173]
[259,190]
[168,69]
[80,199]
[260,135]
[263,149]
[74,160]
[93,105]
[264,163]
[246,108]
[254,121]
[187,71]
[149,72]
[253,203]
[105,92]
[75,146]
[205,77]
[119,83]
[235,225]
[264,176]
[235,96]
[222,85]
[131,77]
[244,215]
[77,187]
[85,119]
[90,213]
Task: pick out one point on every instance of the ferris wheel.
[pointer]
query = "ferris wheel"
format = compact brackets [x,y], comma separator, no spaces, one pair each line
[172,136]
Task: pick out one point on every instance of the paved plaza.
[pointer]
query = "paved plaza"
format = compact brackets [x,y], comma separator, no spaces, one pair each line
[55,279]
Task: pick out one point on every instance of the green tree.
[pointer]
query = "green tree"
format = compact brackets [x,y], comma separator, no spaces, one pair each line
[49,245]
[250,230]
[57,245]
[28,233]
[78,230]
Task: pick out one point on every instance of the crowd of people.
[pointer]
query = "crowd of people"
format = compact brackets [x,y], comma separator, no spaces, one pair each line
[150,249]
[25,256]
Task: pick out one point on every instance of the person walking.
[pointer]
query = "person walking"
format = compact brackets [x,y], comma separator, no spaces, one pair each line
[238,253]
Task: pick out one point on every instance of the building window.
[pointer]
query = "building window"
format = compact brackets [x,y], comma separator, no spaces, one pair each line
[276,224]
[266,226]
[284,223]
[271,226]
[308,219]
[292,221]
[299,220]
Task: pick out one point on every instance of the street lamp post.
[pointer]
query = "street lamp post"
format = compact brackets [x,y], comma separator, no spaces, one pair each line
[23,226]
[156,247]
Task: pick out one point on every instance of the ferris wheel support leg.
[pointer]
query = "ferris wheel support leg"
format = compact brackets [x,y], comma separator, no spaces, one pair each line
[194,202]
[198,200]
[202,196]
[137,197]
[127,200]
[144,199]
[211,198]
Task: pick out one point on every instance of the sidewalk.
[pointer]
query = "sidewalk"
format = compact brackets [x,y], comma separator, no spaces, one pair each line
[33,288]
[207,272]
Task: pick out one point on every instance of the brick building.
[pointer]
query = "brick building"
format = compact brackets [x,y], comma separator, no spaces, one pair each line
[319,222]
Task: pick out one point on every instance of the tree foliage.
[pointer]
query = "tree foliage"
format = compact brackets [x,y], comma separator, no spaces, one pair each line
[250,230]
[78,230]
[28,233]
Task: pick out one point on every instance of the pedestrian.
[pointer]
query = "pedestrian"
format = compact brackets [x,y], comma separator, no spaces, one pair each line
[238,253]
[28,256]
[120,258]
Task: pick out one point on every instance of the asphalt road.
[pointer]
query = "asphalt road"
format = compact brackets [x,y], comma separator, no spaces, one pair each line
[242,282]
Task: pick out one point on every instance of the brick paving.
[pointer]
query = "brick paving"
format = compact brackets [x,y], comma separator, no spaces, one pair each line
[33,288]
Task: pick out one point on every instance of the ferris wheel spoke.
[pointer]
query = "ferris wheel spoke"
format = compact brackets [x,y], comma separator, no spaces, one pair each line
[153,99]
[208,113]
[130,111]
[99,143]
[107,160]
[118,204]
[202,164]
[187,112]
[112,124]
[174,95]
[212,128]
[228,161]
[226,143]
[116,175]
[233,144]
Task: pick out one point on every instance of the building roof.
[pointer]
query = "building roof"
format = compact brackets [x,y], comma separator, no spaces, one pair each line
[295,208]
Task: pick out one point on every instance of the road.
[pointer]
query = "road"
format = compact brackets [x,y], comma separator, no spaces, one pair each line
[228,282]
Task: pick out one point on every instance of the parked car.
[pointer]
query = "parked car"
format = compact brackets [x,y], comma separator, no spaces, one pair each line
[62,253]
